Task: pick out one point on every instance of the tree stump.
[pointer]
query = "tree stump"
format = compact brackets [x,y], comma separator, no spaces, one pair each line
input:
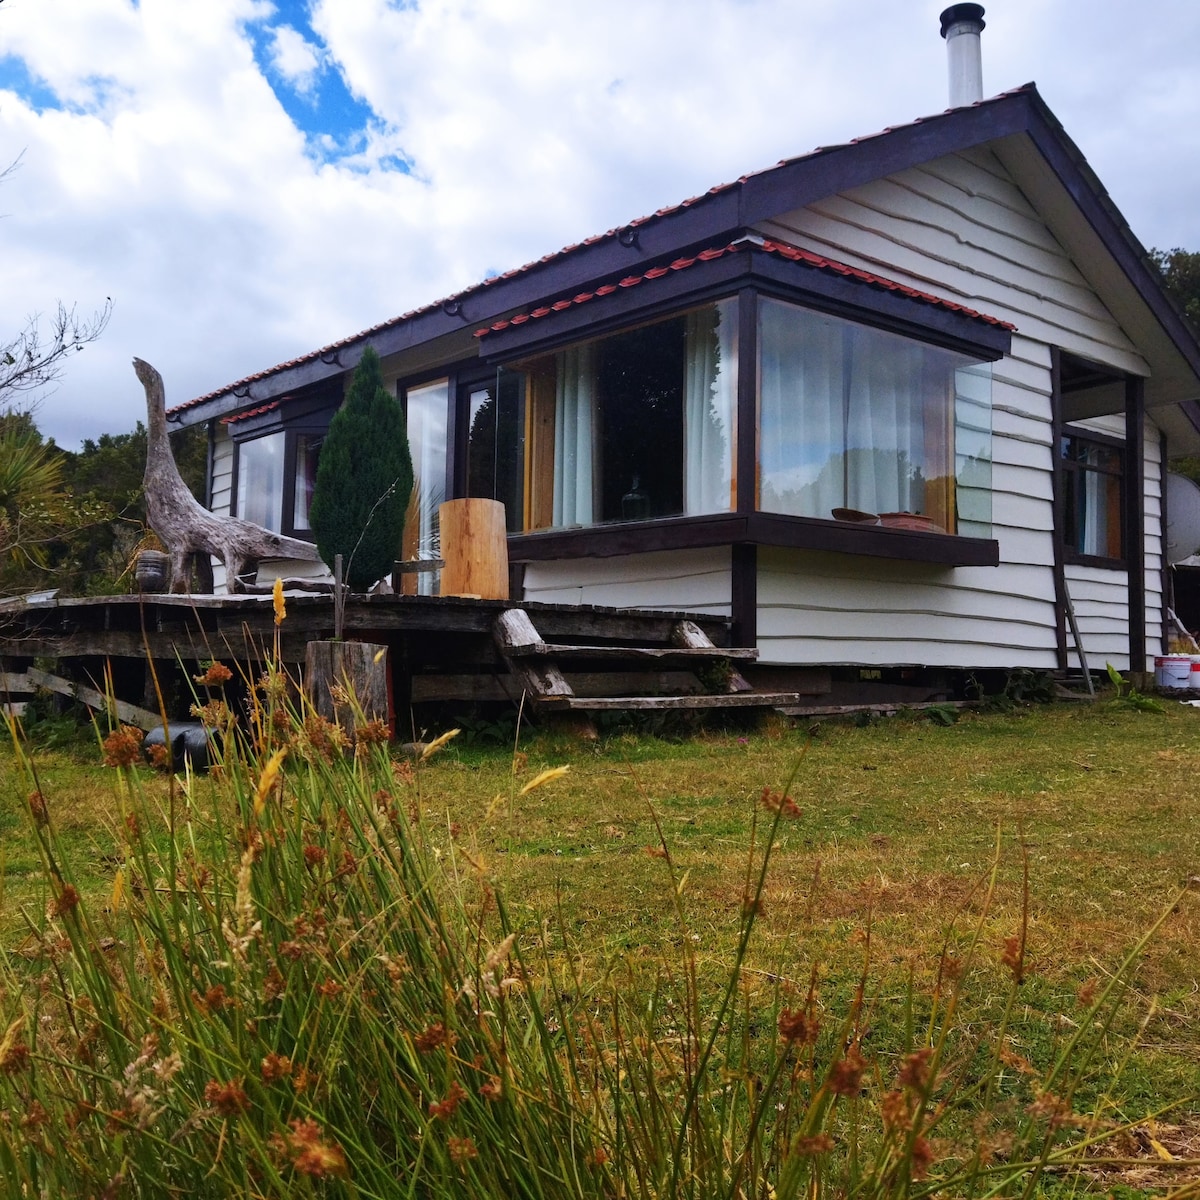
[347,680]
[475,548]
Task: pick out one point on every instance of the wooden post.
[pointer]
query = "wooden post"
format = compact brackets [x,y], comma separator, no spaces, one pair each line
[475,547]
[358,668]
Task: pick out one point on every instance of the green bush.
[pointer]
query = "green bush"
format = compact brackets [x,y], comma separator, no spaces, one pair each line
[364,480]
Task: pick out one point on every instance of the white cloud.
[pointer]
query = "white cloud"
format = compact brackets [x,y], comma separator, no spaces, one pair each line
[295,58]
[173,180]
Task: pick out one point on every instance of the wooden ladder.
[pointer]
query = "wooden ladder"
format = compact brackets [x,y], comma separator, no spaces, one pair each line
[538,667]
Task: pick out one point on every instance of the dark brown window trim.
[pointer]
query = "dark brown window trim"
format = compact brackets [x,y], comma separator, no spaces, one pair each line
[1071,558]
[1067,470]
[754,529]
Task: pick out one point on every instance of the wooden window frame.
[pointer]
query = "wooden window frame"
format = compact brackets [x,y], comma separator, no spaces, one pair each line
[1070,469]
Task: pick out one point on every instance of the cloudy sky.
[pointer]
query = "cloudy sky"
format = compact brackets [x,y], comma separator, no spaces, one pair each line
[249,180]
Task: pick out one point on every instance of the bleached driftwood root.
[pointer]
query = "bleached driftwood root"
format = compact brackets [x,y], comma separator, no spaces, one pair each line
[185,527]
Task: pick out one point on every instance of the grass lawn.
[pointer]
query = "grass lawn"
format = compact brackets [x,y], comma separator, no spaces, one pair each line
[900,825]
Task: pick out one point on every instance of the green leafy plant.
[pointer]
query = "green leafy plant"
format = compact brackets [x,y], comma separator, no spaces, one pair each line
[1127,696]
[942,714]
[364,480]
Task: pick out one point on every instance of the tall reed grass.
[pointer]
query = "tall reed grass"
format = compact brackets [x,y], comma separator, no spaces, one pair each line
[293,989]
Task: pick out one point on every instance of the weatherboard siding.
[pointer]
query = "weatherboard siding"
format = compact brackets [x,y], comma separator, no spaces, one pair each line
[960,228]
[222,493]
[676,580]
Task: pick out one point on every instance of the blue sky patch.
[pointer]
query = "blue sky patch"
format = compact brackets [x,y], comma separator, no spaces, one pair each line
[333,121]
[15,77]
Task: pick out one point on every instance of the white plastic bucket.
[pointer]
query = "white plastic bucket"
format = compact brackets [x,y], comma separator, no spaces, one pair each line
[1177,671]
[1158,671]
[1196,674]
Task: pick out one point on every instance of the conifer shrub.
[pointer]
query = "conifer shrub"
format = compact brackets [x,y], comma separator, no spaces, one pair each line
[364,480]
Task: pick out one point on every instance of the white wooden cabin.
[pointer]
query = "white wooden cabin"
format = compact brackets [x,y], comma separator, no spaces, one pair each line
[1049,375]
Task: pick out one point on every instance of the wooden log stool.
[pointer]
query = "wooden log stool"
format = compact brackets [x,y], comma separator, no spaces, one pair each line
[475,549]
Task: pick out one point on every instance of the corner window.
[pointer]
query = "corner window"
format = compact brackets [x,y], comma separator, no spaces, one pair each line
[1093,481]
[855,422]
[637,425]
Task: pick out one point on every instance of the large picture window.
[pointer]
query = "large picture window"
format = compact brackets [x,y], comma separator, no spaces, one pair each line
[855,418]
[642,422]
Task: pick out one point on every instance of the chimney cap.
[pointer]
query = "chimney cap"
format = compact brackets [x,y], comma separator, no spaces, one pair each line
[963,12]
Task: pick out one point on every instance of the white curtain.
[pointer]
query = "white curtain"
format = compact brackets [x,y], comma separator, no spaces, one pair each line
[801,427]
[709,405]
[885,423]
[574,437]
[260,481]
[842,412]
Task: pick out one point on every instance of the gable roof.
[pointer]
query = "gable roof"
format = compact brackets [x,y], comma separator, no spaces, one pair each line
[1018,124]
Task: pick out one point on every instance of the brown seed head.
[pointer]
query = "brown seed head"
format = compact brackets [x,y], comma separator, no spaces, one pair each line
[217,675]
[461,1149]
[66,900]
[845,1076]
[914,1072]
[37,808]
[445,1108]
[810,1147]
[797,1025]
[123,747]
[228,1099]
[311,1154]
[777,802]
[275,1067]
[920,1158]
[433,1037]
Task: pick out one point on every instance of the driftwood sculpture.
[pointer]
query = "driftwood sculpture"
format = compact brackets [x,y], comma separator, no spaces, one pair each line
[185,527]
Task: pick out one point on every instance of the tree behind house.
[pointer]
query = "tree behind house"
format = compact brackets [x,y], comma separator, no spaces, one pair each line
[1181,273]
[364,480]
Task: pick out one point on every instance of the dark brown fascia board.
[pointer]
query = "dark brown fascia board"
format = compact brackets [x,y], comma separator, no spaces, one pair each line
[839,295]
[829,171]
[722,213]
[758,528]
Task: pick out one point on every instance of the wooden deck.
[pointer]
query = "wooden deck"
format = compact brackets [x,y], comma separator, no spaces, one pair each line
[441,649]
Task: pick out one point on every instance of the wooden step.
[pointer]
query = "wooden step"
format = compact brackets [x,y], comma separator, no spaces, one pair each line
[658,703]
[655,654]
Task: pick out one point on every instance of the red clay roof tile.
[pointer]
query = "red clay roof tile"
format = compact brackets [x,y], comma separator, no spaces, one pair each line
[253,412]
[792,253]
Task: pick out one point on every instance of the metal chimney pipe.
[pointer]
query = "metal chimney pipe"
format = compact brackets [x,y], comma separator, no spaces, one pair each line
[961,26]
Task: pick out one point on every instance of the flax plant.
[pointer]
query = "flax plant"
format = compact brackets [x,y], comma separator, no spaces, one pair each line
[300,989]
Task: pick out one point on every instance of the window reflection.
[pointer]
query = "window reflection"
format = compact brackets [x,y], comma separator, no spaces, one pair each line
[260,481]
